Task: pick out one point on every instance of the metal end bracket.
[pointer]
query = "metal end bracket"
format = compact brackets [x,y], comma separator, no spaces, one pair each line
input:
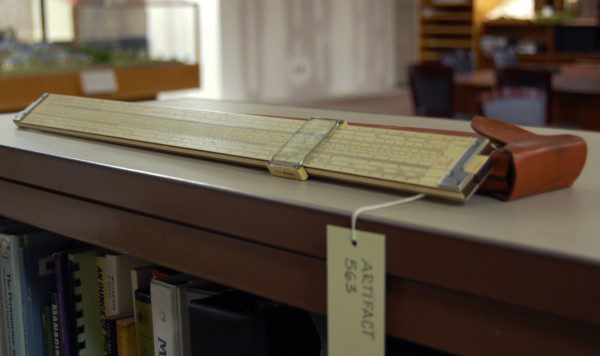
[461,173]
[23,113]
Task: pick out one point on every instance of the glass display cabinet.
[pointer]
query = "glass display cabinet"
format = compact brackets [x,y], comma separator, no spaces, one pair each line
[133,49]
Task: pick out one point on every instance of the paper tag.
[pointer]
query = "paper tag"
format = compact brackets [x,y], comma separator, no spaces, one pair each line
[98,81]
[355,293]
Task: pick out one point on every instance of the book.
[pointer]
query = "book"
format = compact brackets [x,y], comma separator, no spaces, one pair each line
[47,332]
[8,251]
[126,337]
[65,301]
[237,323]
[109,328]
[119,296]
[3,222]
[143,322]
[89,327]
[140,277]
[2,333]
[12,239]
[38,282]
[55,325]
[77,287]
[3,351]
[169,311]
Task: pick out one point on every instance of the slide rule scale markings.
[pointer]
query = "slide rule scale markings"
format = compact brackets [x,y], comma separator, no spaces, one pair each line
[398,159]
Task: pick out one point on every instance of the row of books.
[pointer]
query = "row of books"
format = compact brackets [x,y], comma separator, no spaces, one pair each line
[64,297]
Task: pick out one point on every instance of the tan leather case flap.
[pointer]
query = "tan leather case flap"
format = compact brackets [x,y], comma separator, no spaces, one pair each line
[526,163]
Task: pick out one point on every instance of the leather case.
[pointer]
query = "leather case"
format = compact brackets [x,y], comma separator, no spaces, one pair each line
[525,163]
[236,323]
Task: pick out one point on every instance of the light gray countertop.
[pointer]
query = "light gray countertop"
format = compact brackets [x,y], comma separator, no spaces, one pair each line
[564,223]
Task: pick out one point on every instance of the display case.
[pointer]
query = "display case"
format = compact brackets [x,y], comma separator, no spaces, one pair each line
[128,50]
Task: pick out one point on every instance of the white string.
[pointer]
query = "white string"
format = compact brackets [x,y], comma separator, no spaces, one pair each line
[359,211]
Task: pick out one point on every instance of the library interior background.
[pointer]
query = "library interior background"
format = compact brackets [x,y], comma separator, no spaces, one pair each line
[299,177]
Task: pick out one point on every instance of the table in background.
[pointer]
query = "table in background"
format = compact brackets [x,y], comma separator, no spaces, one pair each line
[575,102]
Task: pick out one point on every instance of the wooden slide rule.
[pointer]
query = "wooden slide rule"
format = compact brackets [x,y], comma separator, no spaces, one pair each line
[437,164]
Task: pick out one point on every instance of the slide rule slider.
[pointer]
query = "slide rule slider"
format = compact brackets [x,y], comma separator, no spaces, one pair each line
[288,160]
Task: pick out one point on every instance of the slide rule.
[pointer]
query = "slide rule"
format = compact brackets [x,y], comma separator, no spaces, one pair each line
[443,165]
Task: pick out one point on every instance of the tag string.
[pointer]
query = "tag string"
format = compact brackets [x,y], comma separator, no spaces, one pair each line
[366,208]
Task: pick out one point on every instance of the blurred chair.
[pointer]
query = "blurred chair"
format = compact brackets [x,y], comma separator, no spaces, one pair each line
[460,61]
[505,58]
[431,87]
[521,106]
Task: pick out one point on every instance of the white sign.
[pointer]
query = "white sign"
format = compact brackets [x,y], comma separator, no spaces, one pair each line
[98,81]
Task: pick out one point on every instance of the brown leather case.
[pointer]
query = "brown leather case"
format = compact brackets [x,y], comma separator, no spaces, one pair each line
[525,163]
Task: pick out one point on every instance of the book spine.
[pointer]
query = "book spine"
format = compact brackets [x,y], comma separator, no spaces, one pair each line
[111,285]
[18,297]
[107,325]
[85,288]
[126,339]
[164,319]
[7,295]
[111,331]
[35,343]
[140,278]
[123,265]
[64,301]
[55,325]
[2,324]
[47,332]
[183,336]
[143,325]
[26,307]
[15,323]
[79,319]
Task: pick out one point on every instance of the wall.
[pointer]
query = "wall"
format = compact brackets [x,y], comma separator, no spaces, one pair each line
[173,32]
[59,24]
[407,34]
[303,49]
[19,15]
[25,17]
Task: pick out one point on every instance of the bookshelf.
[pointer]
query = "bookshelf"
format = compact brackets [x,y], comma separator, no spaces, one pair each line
[456,275]
[450,25]
[545,36]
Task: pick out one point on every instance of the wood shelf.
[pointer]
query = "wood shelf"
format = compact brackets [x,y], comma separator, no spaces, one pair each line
[449,43]
[435,29]
[447,5]
[446,27]
[462,16]
[429,55]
